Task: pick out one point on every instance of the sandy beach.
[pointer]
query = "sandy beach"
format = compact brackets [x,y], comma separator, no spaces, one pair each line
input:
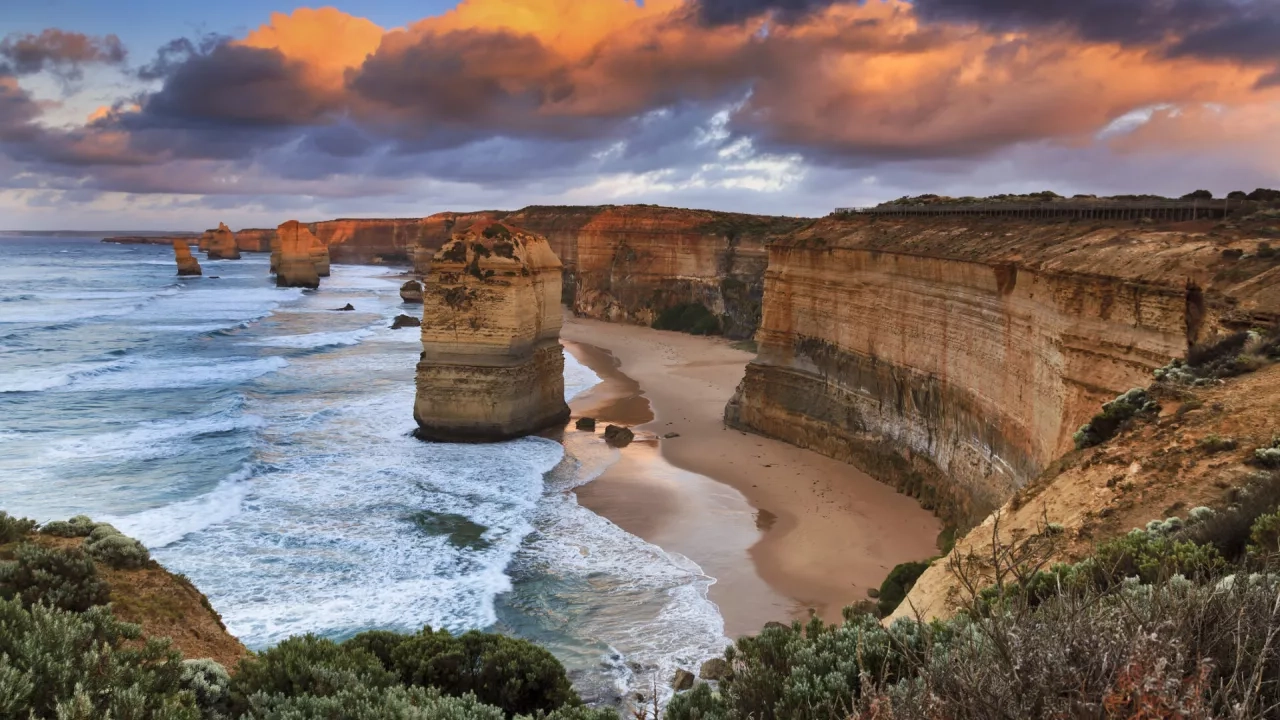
[782,529]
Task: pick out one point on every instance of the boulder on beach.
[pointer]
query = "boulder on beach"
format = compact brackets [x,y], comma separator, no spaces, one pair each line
[714,669]
[187,263]
[404,321]
[683,680]
[618,436]
[411,293]
[586,423]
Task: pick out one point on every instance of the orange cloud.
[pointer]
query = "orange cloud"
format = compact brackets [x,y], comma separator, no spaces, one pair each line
[327,41]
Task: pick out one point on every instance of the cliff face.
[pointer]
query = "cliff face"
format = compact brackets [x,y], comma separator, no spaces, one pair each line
[296,266]
[492,366]
[369,241]
[222,244]
[187,264]
[438,229]
[956,361]
[255,239]
[629,263]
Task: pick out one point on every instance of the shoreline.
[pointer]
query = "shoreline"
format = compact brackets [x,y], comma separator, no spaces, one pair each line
[782,529]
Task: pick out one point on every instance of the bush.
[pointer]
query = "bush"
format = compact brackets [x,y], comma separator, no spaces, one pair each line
[1113,417]
[210,684]
[85,666]
[378,643]
[512,674]
[693,318]
[1216,443]
[1265,533]
[65,579]
[109,545]
[1269,456]
[78,526]
[362,703]
[1228,529]
[897,584]
[306,665]
[13,528]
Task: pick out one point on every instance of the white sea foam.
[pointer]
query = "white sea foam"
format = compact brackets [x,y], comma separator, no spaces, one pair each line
[314,340]
[148,440]
[49,378]
[157,374]
[163,526]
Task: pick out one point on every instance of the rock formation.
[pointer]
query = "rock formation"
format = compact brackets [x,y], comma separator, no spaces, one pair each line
[438,229]
[404,321]
[369,241]
[206,239]
[275,252]
[255,239]
[187,263]
[955,358]
[296,266]
[492,366]
[411,293]
[222,244]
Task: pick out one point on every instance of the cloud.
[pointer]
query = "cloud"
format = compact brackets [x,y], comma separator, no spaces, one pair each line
[62,53]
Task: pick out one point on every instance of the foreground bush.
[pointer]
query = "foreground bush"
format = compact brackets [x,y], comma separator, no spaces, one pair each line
[61,578]
[307,666]
[116,549]
[78,526]
[1113,418]
[515,675]
[86,666]
[14,528]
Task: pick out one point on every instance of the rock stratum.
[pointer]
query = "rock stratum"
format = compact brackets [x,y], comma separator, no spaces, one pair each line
[296,266]
[187,263]
[255,239]
[492,367]
[954,358]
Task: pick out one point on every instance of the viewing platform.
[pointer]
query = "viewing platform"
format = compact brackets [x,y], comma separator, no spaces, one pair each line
[1083,209]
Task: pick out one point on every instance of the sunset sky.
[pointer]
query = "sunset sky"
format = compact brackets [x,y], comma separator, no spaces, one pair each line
[177,115]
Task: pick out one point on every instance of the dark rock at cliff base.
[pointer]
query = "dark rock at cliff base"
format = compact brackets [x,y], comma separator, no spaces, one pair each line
[411,293]
[670,435]
[682,681]
[873,593]
[586,424]
[404,321]
[618,436]
[714,669]
[345,308]
[776,624]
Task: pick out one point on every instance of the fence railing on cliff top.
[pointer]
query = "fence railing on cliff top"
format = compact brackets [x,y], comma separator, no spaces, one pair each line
[1099,209]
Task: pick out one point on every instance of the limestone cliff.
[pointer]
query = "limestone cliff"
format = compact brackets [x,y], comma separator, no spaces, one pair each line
[320,258]
[255,239]
[955,357]
[296,267]
[187,264]
[492,366]
[629,263]
[222,244]
[370,241]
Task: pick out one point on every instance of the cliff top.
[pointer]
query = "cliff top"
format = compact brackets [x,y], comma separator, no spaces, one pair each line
[1258,195]
[489,247]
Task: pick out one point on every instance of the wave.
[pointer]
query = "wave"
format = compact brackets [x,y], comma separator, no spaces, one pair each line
[163,526]
[51,378]
[315,340]
[159,374]
[149,440]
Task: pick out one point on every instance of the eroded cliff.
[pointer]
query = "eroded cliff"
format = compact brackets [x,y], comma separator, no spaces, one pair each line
[221,244]
[629,263]
[955,357]
[187,263]
[370,241]
[492,367]
[295,266]
[255,239]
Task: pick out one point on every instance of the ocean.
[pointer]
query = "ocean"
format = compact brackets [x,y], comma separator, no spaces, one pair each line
[257,440]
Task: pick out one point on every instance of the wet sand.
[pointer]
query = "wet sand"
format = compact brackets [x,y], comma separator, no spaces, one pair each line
[782,529]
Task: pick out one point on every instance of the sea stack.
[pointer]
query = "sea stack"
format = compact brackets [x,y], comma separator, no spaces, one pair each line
[222,244]
[492,367]
[296,268]
[411,293]
[320,257]
[187,263]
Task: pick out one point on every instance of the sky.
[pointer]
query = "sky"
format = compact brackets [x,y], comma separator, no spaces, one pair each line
[158,114]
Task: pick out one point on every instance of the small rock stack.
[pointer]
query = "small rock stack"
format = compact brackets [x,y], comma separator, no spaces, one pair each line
[411,293]
[296,266]
[187,263]
[222,244]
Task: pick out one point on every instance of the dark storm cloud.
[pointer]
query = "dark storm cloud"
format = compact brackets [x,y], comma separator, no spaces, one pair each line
[722,12]
[1247,30]
[59,52]
[175,53]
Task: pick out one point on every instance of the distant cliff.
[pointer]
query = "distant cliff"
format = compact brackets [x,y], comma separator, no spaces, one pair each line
[955,357]
[628,263]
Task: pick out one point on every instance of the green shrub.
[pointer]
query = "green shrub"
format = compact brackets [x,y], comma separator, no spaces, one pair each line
[512,674]
[109,545]
[210,684]
[78,526]
[86,666]
[363,703]
[1265,533]
[1269,456]
[378,643]
[1216,443]
[1151,557]
[306,665]
[897,584]
[693,318]
[1113,417]
[13,528]
[61,578]
[1228,529]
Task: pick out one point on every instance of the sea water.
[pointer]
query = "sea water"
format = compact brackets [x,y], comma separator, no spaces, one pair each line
[257,440]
